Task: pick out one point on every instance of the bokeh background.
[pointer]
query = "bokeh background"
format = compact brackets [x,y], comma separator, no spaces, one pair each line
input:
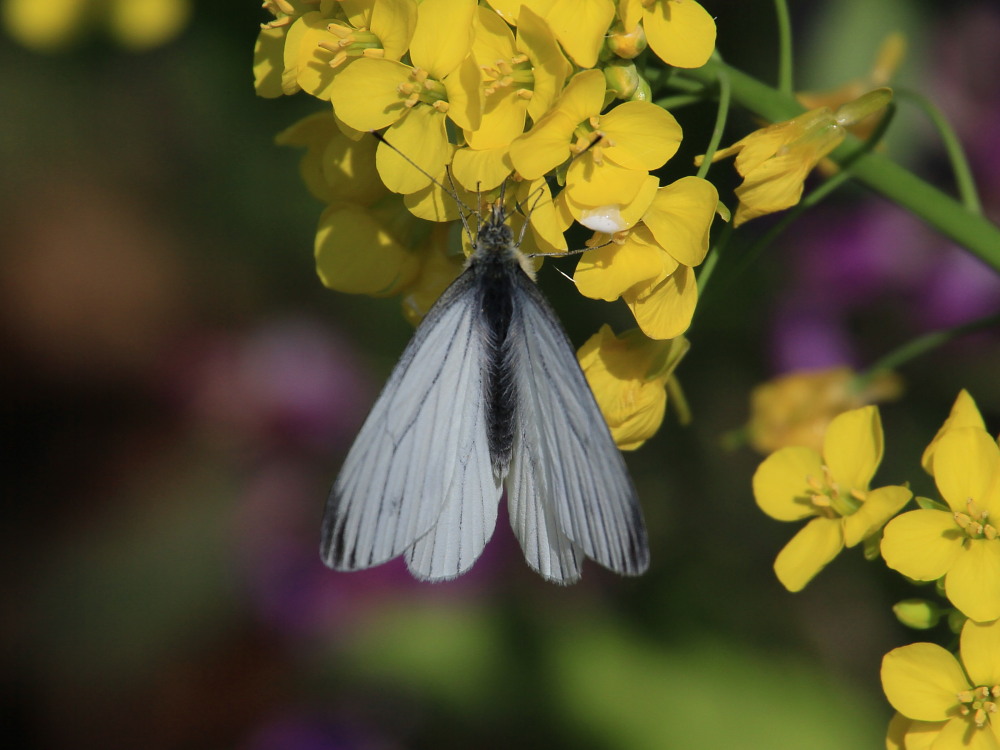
[178,391]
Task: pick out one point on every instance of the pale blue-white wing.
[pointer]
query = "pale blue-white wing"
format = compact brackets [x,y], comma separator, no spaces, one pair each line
[566,461]
[419,467]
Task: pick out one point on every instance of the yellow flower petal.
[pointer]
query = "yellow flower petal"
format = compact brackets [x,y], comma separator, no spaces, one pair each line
[960,734]
[681,34]
[393,22]
[422,136]
[607,272]
[381,104]
[680,216]
[502,121]
[964,464]
[305,60]
[664,310]
[922,681]
[973,582]
[852,448]
[544,147]
[550,67]
[780,484]
[481,169]
[355,254]
[546,224]
[921,735]
[922,544]
[465,96]
[443,36]
[808,552]
[980,647]
[592,184]
[879,506]
[580,26]
[269,62]
[583,96]
[640,135]
[964,413]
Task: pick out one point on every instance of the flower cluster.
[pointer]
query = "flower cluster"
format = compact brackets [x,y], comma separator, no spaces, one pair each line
[534,95]
[941,702]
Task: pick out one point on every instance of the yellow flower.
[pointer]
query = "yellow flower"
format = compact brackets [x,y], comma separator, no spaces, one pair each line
[270,77]
[680,32]
[795,483]
[795,409]
[522,77]
[628,375]
[649,264]
[414,101]
[775,161]
[961,543]
[317,47]
[950,705]
[47,25]
[613,152]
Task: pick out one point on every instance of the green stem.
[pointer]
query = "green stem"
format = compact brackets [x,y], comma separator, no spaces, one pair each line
[725,93]
[921,345]
[875,170]
[953,147]
[785,85]
[677,101]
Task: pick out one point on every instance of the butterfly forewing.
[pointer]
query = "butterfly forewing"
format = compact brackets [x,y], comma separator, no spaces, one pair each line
[407,476]
[577,472]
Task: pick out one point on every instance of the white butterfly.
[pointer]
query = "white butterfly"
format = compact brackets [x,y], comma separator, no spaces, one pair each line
[487,396]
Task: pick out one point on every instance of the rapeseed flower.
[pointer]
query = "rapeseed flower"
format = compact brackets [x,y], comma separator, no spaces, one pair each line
[959,542]
[649,264]
[946,703]
[797,408]
[775,161]
[680,32]
[628,375]
[796,483]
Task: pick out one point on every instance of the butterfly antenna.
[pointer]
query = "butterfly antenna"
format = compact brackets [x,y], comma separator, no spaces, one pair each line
[452,191]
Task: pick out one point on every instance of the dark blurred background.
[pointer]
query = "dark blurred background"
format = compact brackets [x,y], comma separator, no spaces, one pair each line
[178,390]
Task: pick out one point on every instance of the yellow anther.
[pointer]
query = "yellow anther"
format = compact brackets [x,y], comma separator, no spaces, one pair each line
[340,30]
[965,696]
[821,501]
[338,59]
[964,710]
[595,122]
[962,520]
[277,23]
[504,67]
[814,483]
[982,692]
[980,717]
[973,509]
[419,74]
[995,691]
[377,52]
[519,59]
[283,5]
[525,93]
[441,106]
[505,81]
[859,495]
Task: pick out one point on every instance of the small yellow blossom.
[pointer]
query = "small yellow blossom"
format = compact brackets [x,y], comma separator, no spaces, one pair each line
[775,161]
[649,264]
[962,543]
[628,375]
[795,409]
[795,483]
[48,25]
[946,704]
